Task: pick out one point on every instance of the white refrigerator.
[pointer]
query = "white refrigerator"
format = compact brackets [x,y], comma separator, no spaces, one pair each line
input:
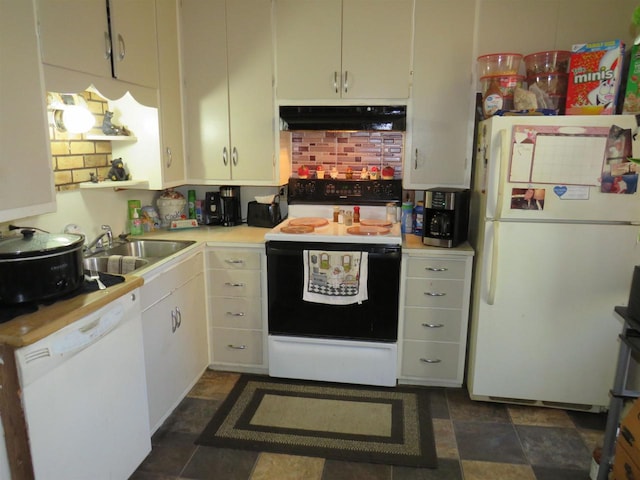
[555,220]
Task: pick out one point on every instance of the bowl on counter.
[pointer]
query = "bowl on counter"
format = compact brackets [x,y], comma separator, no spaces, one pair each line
[499,64]
[551,61]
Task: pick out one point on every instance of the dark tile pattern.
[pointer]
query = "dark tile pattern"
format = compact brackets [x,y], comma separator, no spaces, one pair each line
[475,440]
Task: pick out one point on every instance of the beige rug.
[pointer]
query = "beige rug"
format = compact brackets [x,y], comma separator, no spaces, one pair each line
[338,421]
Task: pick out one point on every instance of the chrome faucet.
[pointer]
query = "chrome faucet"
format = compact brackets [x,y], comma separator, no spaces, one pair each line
[98,243]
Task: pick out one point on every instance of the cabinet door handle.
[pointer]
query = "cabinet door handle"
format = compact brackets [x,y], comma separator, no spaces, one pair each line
[231,284]
[225,156]
[234,262]
[430,360]
[234,156]
[178,317]
[237,347]
[335,82]
[433,325]
[235,314]
[174,322]
[346,81]
[435,294]
[169,157]
[107,45]
[436,269]
[122,48]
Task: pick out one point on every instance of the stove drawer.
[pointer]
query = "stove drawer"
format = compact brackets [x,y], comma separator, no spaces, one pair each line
[430,360]
[237,347]
[434,293]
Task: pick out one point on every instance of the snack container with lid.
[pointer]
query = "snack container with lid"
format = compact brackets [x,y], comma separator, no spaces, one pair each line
[499,64]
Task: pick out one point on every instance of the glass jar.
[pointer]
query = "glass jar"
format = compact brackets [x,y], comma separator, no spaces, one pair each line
[348,218]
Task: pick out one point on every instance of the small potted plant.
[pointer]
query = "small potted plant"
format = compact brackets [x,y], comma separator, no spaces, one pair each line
[374,173]
[319,171]
[333,173]
[349,173]
[303,171]
[364,174]
[387,172]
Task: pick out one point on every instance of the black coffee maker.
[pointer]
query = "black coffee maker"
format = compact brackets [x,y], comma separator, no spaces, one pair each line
[212,209]
[446,217]
[230,206]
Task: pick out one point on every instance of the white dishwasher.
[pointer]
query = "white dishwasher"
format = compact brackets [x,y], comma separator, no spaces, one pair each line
[85,397]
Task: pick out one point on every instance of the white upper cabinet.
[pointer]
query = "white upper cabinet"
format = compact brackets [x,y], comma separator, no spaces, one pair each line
[227,57]
[438,147]
[349,49]
[26,176]
[81,35]
[170,111]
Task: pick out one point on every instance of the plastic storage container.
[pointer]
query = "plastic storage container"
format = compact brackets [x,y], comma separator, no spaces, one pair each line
[506,83]
[551,83]
[551,61]
[499,64]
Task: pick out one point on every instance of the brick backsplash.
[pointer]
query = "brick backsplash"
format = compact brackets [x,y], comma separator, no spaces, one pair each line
[347,149]
[75,158]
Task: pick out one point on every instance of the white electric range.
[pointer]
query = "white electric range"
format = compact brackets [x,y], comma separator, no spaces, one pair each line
[333,289]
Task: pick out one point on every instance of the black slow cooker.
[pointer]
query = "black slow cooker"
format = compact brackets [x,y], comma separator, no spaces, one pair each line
[38,266]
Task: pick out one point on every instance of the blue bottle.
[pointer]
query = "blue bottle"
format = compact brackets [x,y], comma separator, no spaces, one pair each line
[418,219]
[406,224]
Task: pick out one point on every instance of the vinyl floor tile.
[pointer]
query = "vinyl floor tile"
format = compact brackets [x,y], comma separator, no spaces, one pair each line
[474,470]
[491,442]
[191,416]
[272,466]
[462,408]
[214,385]
[554,447]
[446,445]
[209,463]
[549,473]
[447,470]
[339,470]
[539,416]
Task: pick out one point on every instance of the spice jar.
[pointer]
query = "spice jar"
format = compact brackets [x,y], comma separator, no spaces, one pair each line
[356,214]
[391,212]
[336,214]
[348,218]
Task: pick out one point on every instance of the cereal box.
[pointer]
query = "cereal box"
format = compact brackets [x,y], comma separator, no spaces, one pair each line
[594,78]
[632,94]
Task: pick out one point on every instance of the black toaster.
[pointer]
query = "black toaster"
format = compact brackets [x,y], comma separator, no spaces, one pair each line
[263,214]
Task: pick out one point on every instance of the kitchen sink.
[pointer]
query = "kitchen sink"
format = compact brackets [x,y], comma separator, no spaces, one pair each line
[148,249]
[101,264]
[145,253]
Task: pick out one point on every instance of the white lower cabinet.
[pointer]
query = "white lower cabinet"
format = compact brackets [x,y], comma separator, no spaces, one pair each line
[234,279]
[175,335]
[435,317]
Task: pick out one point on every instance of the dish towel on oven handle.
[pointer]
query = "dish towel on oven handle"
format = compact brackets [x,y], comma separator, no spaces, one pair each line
[335,278]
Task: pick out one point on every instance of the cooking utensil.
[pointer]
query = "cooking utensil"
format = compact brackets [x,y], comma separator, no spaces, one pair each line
[36,266]
[95,276]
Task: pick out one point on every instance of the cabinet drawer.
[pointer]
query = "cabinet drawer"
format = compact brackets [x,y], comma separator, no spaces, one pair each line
[432,324]
[233,259]
[428,267]
[430,360]
[236,346]
[169,280]
[434,293]
[236,312]
[234,283]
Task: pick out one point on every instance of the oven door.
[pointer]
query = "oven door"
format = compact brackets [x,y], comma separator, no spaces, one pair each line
[375,319]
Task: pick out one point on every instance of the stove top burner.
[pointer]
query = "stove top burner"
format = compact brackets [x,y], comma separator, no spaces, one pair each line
[9,312]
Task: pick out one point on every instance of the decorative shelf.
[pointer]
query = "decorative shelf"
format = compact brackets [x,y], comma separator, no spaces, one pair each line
[112,138]
[144,184]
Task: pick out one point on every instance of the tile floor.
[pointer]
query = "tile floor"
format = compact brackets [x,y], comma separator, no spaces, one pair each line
[475,441]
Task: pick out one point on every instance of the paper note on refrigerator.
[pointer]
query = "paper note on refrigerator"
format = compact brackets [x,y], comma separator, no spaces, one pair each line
[557,155]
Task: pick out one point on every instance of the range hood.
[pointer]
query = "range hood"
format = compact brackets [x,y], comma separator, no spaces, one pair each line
[385,118]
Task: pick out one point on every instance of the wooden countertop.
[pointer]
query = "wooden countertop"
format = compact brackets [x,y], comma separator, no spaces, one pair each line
[30,328]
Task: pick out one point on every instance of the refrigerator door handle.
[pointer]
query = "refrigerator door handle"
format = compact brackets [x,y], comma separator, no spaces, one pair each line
[493,276]
[502,179]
